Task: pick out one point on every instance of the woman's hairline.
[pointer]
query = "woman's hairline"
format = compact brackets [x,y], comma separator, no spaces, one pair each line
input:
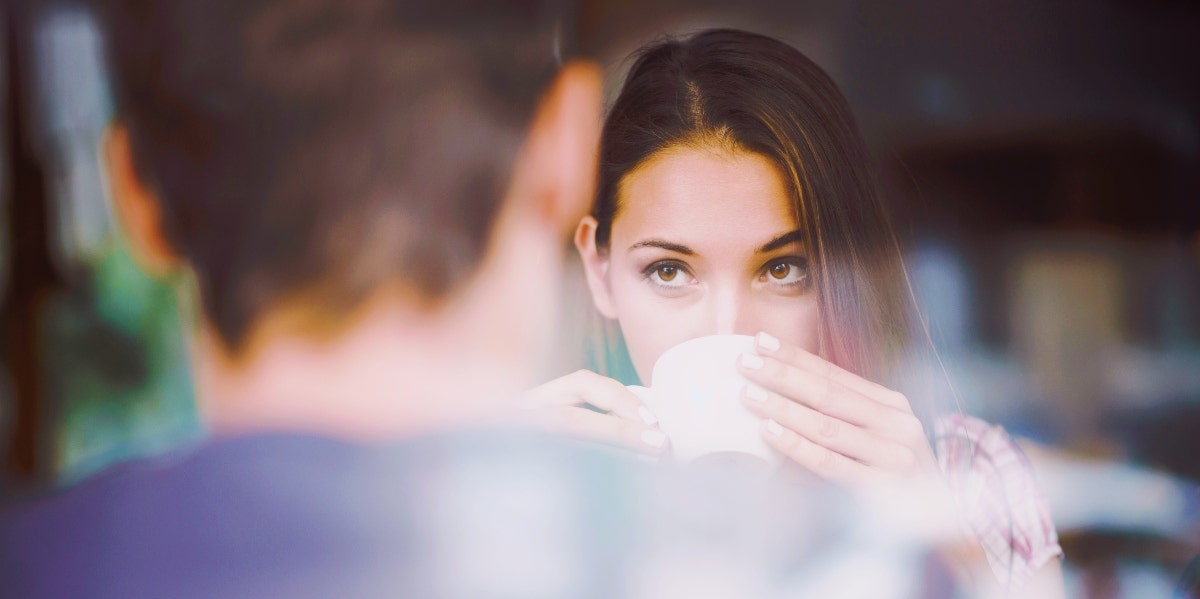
[720,141]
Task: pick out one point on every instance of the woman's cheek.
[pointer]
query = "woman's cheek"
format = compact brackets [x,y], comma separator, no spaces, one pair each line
[649,331]
[794,321]
[649,323]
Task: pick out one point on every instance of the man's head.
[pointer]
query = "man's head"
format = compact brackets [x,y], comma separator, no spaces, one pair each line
[317,150]
[305,157]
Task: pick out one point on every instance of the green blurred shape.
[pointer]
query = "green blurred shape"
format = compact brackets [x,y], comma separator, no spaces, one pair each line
[607,354]
[119,385]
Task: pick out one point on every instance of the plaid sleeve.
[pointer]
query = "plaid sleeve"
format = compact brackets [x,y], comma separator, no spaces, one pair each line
[994,484]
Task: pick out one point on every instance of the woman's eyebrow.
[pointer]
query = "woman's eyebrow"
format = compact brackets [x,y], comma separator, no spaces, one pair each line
[782,240]
[662,244]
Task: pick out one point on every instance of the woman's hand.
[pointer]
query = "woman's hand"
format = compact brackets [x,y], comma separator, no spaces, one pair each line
[560,406]
[834,423]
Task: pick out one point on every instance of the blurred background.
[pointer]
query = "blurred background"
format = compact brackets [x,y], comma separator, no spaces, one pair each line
[1042,161]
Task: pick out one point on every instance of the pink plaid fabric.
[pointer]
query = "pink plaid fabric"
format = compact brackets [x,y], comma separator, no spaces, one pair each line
[994,484]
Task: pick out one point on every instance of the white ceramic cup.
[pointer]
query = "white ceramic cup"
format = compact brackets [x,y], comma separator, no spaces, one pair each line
[695,391]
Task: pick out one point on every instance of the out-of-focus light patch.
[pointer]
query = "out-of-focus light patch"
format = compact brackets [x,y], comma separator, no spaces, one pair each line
[1138,377]
[73,99]
[521,544]
[1132,580]
[1143,580]
[70,71]
[869,570]
[1111,496]
[717,533]
[694,572]
[911,513]
[705,532]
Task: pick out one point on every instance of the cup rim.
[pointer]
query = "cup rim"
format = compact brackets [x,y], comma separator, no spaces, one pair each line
[706,339]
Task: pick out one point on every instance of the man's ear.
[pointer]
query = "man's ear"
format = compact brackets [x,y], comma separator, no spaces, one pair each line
[595,266]
[555,174]
[136,206]
[509,309]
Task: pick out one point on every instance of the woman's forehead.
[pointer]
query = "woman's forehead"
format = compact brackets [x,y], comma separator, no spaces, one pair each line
[703,194]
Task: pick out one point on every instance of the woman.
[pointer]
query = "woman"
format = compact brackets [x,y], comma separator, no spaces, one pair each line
[736,196]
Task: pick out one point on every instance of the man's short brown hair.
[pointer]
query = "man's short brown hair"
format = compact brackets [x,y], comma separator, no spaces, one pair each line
[325,147]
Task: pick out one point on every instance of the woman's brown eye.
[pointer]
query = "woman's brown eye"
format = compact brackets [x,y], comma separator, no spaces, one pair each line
[781,271]
[667,273]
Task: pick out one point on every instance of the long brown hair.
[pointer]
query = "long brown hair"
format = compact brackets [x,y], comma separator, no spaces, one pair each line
[753,93]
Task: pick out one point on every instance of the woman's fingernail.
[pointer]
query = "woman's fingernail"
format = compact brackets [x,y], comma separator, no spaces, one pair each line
[756,393]
[654,439]
[751,361]
[774,427]
[647,416]
[767,341]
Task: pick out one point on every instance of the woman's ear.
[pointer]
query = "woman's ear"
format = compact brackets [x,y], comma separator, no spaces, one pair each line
[136,206]
[595,266]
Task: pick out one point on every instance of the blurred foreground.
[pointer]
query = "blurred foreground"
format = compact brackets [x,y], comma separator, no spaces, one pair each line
[1043,158]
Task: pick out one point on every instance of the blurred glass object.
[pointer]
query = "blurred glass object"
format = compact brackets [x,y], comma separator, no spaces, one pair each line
[75,109]
[123,381]
[117,381]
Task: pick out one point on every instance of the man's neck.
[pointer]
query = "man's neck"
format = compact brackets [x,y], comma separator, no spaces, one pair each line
[390,371]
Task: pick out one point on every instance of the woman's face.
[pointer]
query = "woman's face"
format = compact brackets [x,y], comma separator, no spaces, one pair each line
[705,242]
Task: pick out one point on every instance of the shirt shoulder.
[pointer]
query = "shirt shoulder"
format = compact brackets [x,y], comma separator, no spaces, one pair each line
[995,486]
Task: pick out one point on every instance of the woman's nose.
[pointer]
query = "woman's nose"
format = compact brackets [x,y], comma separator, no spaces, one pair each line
[730,312]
